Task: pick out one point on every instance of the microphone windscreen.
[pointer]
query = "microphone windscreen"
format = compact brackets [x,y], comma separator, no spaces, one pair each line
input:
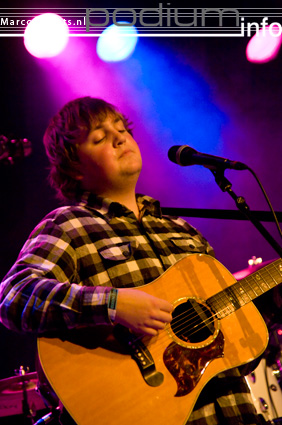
[172,153]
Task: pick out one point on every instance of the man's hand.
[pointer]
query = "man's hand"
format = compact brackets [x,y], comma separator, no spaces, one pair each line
[141,312]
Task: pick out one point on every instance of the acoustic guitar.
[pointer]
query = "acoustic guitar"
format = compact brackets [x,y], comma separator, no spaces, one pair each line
[107,375]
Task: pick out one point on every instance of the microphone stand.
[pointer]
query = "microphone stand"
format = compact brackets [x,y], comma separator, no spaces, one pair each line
[241,204]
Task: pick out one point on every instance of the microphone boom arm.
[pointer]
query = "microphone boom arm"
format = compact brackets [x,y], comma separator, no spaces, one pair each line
[222,214]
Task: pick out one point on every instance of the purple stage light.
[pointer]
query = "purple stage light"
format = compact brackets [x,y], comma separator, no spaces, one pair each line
[46,35]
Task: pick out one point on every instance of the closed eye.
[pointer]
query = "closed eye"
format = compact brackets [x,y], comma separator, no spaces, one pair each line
[96,142]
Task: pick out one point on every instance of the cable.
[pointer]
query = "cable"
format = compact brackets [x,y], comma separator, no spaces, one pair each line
[267,200]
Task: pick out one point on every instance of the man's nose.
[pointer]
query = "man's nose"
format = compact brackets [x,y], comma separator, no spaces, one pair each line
[119,138]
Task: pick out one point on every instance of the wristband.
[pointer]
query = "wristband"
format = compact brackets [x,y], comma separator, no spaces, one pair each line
[112,302]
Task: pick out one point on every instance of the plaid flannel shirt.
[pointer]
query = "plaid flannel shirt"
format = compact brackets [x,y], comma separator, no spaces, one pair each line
[68,265]
[76,254]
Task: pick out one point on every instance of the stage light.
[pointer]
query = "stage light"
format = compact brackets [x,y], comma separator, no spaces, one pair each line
[264,45]
[46,35]
[117,43]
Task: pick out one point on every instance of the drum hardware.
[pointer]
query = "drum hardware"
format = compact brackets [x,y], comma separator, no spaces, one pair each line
[19,396]
[263,405]
[277,374]
[278,371]
[265,380]
[266,392]
[277,367]
[28,412]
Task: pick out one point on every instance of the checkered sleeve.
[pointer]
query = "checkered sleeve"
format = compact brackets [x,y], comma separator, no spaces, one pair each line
[226,399]
[42,291]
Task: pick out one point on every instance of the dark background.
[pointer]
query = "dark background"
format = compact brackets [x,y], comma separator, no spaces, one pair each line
[197,91]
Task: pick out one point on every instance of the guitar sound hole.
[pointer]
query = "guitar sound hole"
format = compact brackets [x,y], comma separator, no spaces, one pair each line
[192,321]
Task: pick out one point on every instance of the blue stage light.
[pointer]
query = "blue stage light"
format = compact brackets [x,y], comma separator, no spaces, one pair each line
[117,43]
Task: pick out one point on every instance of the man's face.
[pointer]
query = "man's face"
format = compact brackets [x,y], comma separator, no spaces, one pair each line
[110,159]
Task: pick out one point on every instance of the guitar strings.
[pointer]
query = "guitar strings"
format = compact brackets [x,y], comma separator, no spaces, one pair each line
[228,307]
[190,313]
[229,304]
[222,298]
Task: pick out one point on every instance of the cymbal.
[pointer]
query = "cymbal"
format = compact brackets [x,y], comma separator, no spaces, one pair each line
[12,393]
[251,269]
[15,383]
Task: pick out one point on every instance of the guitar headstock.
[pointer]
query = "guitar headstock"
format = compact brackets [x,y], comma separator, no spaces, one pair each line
[12,150]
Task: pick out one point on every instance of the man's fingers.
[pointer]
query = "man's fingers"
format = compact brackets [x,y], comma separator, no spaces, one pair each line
[166,306]
[141,312]
[162,316]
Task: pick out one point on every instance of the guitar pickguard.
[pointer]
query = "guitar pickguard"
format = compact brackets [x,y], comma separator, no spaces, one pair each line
[187,365]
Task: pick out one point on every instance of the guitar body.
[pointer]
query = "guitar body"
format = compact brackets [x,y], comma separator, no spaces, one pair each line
[100,383]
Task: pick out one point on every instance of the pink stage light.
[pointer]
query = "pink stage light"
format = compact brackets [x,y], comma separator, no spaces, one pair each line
[46,35]
[264,45]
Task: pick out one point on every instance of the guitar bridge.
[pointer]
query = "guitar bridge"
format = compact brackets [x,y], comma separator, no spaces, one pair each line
[140,353]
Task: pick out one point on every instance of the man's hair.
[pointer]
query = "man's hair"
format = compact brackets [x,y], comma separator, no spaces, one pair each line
[69,127]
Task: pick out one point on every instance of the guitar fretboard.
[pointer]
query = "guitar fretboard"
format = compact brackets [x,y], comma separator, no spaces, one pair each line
[242,292]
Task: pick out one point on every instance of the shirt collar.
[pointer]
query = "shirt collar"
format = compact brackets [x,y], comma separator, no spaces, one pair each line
[109,209]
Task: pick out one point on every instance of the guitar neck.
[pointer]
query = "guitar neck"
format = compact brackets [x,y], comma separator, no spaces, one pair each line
[244,291]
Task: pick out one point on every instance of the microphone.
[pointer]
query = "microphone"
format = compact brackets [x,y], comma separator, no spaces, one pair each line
[185,155]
